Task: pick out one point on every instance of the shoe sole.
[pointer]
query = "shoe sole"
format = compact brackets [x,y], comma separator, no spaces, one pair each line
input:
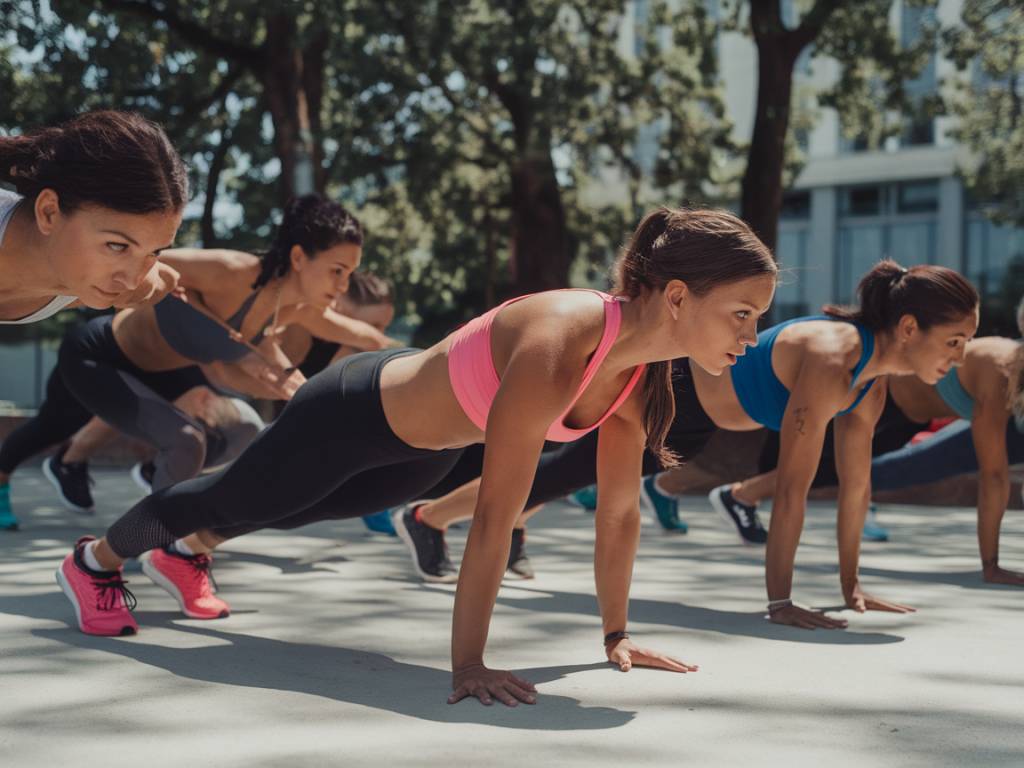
[48,474]
[723,513]
[168,586]
[69,593]
[403,534]
[140,481]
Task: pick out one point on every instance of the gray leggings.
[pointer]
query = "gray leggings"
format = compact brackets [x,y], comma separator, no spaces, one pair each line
[108,384]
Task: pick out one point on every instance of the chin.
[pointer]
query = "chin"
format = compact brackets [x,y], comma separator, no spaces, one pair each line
[713,370]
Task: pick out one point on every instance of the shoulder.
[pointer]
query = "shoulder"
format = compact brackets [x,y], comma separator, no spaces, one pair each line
[565,324]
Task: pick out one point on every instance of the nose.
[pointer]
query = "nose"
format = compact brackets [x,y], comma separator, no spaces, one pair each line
[343,284]
[129,279]
[749,339]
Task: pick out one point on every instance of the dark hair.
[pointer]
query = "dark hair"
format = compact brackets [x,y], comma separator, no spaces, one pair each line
[313,223]
[367,290]
[704,248]
[118,160]
[932,295]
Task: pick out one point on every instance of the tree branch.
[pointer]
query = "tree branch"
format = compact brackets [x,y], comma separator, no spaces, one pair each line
[188,30]
[811,25]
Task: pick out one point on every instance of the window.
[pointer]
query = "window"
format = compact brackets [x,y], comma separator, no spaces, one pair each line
[862,201]
[790,299]
[796,205]
[918,197]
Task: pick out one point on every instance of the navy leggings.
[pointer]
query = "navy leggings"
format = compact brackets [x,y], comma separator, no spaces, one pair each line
[949,453]
[330,454]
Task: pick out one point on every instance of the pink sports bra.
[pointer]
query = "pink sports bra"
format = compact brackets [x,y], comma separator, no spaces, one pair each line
[475,382]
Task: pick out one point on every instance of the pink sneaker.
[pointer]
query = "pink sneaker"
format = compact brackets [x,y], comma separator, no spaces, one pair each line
[101,600]
[189,582]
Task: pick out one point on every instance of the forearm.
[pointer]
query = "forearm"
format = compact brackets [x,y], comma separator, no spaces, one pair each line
[614,553]
[852,511]
[783,538]
[483,565]
[993,496]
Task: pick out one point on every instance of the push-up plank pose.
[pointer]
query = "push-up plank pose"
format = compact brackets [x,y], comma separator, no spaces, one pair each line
[379,428]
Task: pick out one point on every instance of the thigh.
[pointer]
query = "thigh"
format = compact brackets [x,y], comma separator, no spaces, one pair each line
[373,490]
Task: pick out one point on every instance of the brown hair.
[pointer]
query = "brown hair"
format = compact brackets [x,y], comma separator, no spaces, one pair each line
[704,248]
[366,289]
[117,160]
[312,222]
[932,295]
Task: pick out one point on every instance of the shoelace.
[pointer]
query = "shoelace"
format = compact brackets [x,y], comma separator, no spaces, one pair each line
[204,568]
[109,590]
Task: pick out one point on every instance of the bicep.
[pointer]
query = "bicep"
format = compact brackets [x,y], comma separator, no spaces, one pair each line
[804,424]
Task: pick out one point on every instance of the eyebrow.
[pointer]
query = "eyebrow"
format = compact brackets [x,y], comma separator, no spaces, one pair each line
[134,242]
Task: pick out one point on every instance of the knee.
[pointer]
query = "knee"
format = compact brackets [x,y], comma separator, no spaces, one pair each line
[181,457]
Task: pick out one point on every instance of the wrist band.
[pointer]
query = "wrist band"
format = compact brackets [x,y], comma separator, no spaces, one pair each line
[778,605]
[614,637]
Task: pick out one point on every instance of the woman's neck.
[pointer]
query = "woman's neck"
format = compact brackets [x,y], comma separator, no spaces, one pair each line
[639,336]
[889,358]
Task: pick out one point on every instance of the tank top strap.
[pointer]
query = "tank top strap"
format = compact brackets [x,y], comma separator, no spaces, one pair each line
[612,324]
[867,349]
[236,320]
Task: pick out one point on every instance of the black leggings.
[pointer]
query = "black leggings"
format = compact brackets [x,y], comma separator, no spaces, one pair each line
[61,415]
[330,455]
[107,383]
[573,466]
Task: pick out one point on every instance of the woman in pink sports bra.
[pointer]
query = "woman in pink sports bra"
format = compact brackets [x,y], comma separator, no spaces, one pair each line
[378,429]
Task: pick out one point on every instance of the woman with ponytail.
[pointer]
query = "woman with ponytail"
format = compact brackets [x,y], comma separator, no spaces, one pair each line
[378,429]
[984,390]
[95,202]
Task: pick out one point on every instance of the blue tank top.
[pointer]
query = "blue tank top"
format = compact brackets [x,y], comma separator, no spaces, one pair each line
[193,335]
[955,396]
[759,390]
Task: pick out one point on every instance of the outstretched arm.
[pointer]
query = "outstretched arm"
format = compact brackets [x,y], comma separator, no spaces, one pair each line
[536,388]
[620,449]
[817,394]
[853,435]
[988,429]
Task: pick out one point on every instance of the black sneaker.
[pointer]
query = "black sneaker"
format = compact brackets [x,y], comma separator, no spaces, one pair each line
[742,517]
[518,563]
[72,481]
[426,545]
[142,473]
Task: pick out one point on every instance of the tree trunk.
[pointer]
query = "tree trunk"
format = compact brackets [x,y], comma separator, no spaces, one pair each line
[540,238]
[761,198]
[282,78]
[217,162]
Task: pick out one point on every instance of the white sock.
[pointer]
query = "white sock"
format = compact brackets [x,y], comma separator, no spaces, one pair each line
[182,548]
[89,556]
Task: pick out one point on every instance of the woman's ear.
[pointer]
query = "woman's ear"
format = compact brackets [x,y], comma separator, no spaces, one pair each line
[298,258]
[676,295]
[47,211]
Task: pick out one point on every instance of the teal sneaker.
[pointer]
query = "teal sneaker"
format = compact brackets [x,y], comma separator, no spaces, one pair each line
[380,522]
[585,497]
[8,522]
[872,530]
[665,508]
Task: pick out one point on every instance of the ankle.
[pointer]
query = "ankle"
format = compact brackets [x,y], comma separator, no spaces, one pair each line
[738,493]
[422,515]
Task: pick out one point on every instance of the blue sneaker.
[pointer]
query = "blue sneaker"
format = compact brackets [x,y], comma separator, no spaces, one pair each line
[665,508]
[8,522]
[585,497]
[872,530]
[380,522]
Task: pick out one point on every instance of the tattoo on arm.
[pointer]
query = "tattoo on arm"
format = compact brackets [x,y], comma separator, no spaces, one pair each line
[800,417]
